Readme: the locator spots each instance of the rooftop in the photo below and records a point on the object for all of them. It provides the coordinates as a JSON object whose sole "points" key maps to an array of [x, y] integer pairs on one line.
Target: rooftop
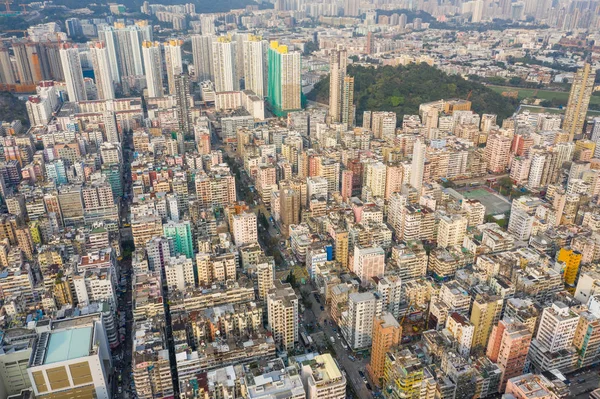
{"points": [[68, 345], [275, 384], [529, 385], [324, 369], [389, 320]]}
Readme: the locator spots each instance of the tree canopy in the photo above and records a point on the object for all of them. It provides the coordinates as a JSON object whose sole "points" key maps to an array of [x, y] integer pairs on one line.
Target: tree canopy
{"points": [[402, 89], [11, 108]]}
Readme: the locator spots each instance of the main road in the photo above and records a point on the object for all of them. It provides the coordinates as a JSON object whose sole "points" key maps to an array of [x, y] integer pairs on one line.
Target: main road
{"points": [[242, 187], [341, 355], [583, 382], [125, 303]]}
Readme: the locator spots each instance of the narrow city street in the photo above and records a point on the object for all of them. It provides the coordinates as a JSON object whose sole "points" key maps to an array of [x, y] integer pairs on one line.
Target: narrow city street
{"points": [[324, 332], [352, 364], [243, 191], [124, 350], [125, 297]]}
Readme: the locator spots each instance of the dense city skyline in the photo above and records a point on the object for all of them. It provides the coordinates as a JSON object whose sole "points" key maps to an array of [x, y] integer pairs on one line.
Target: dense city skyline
{"points": [[300, 199]]}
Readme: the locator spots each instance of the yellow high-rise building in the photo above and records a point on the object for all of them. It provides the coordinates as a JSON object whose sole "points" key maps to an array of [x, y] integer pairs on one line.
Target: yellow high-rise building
{"points": [[572, 260], [582, 145], [485, 314], [341, 247], [579, 100], [403, 374]]}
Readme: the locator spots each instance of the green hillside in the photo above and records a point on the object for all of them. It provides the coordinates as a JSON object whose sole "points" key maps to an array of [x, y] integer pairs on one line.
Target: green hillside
{"points": [[402, 89], [11, 108]]}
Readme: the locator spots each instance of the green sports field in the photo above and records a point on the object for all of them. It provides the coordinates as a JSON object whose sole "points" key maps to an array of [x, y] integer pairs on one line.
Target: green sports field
{"points": [[561, 96], [537, 110], [494, 203]]}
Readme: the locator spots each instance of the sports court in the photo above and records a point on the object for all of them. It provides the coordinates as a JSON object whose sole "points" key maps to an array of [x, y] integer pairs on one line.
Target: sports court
{"points": [[494, 204]]}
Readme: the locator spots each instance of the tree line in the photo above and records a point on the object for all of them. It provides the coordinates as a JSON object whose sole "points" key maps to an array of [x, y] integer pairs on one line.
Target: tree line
{"points": [[402, 89]]}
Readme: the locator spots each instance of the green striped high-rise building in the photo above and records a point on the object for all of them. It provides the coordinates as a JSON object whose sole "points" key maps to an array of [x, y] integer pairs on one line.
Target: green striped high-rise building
{"points": [[181, 233], [285, 82], [114, 178]]}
